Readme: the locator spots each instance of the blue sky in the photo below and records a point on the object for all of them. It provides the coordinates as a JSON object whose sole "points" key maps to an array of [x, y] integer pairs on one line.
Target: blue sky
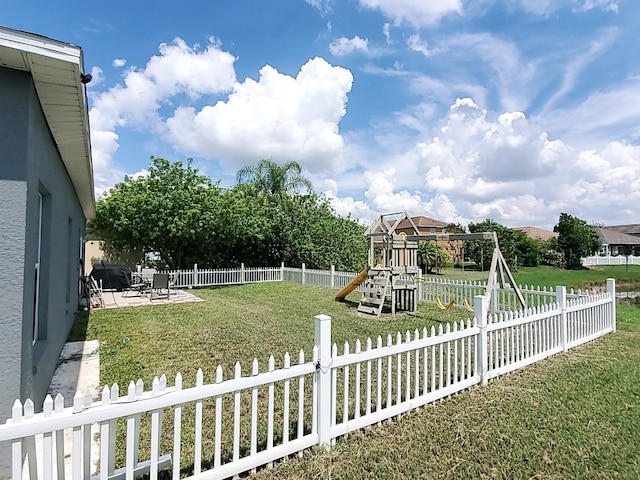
{"points": [[514, 110]]}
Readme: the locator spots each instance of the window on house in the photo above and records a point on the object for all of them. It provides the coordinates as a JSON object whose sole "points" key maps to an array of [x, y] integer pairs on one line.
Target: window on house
{"points": [[70, 257], [43, 252]]}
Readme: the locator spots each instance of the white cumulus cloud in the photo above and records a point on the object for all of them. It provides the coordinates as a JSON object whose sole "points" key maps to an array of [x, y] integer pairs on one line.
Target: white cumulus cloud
{"points": [[483, 164], [417, 13], [345, 46], [178, 69], [278, 116]]}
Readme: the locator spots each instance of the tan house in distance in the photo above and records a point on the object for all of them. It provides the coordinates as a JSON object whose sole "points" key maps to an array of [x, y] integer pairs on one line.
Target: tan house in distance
{"points": [[425, 225], [430, 226], [537, 233]]}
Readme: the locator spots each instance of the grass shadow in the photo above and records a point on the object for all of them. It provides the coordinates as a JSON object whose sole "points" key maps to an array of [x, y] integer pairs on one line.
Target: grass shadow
{"points": [[78, 331]]}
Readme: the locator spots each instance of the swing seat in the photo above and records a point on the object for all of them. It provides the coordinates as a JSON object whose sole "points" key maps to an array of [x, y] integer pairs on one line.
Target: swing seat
{"points": [[467, 306], [442, 306]]}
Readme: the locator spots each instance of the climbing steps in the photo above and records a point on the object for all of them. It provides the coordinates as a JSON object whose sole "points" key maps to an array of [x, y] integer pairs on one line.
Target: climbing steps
{"points": [[374, 292]]}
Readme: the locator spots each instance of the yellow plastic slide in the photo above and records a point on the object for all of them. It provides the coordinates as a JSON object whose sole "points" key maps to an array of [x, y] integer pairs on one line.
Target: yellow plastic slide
{"points": [[352, 285]]}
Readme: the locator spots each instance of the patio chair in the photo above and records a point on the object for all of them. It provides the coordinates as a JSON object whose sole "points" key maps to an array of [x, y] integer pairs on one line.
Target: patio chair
{"points": [[147, 274], [137, 284], [160, 282]]}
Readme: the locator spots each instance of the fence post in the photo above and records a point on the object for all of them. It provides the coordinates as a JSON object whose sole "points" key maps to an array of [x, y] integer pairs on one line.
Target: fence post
{"points": [[333, 272], [303, 268], [195, 275], [561, 298], [420, 285], [282, 271], [242, 277], [323, 375], [611, 288], [480, 307]]}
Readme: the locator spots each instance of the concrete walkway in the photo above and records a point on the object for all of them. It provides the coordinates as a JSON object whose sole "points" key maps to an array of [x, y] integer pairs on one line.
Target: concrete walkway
{"points": [[78, 369]]}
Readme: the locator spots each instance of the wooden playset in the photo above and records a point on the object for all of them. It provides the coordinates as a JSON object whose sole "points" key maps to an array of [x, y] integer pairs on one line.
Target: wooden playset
{"points": [[392, 275]]}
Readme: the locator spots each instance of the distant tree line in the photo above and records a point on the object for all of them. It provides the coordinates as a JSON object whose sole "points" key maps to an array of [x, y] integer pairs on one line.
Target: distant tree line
{"points": [[184, 218], [576, 239]]}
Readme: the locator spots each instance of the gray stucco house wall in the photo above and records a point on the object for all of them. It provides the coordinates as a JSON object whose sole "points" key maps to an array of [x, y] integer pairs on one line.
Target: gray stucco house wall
{"points": [[43, 212]]}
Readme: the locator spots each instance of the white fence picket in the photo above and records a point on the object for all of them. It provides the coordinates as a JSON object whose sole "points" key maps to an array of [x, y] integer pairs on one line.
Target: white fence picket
{"points": [[254, 413], [270, 410], [236, 414], [285, 412], [300, 399], [58, 408], [218, 427], [356, 382], [177, 424]]}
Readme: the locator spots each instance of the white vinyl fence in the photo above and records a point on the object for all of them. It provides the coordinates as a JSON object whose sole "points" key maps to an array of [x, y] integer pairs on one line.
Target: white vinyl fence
{"points": [[461, 290], [197, 277], [324, 278], [431, 288], [610, 260], [225, 276], [428, 289], [254, 417]]}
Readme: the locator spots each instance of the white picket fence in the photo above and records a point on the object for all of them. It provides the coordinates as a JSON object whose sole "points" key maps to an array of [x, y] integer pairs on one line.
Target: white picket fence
{"points": [[610, 260], [224, 428], [196, 277], [428, 288], [324, 278], [461, 290], [431, 288]]}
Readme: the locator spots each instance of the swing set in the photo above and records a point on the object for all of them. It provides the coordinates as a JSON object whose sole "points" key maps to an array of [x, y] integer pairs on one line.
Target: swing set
{"points": [[499, 274], [392, 279]]}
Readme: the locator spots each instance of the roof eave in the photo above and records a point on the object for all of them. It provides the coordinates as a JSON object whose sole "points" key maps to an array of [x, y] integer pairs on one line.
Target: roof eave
{"points": [[55, 68]]}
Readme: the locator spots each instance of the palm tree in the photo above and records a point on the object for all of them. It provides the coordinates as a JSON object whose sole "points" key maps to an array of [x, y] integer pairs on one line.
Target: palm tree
{"points": [[272, 178], [432, 257]]}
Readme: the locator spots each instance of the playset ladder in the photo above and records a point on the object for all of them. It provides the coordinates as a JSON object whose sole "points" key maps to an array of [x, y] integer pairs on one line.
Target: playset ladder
{"points": [[374, 292]]}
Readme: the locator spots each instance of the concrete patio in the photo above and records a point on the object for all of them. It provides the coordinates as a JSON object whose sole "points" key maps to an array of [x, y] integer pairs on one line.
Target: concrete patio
{"points": [[113, 299]]}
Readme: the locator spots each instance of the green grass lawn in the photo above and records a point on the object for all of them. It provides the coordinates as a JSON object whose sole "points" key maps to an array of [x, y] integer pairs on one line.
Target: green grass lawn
{"points": [[235, 323], [550, 277], [576, 415]]}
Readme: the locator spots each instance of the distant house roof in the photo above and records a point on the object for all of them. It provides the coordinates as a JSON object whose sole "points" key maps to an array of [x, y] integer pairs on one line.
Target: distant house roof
{"points": [[629, 229], [422, 223], [613, 237], [537, 233], [56, 69]]}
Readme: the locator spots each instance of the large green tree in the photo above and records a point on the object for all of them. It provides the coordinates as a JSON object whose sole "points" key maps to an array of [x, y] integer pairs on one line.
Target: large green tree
{"points": [[307, 230], [529, 251], [481, 251], [271, 177], [164, 211], [185, 218], [576, 239]]}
